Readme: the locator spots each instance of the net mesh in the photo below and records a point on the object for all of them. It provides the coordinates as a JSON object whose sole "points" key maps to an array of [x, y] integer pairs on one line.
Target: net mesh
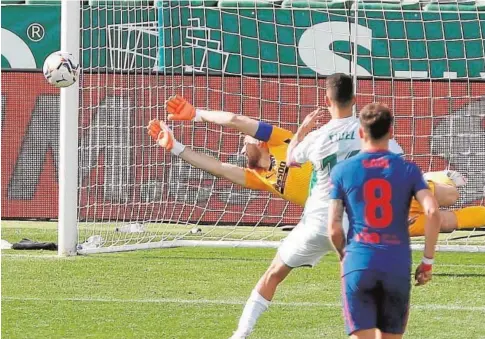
{"points": [[269, 64]]}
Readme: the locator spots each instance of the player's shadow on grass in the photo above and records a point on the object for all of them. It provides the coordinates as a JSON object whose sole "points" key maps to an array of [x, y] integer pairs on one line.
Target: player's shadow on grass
{"points": [[459, 275]]}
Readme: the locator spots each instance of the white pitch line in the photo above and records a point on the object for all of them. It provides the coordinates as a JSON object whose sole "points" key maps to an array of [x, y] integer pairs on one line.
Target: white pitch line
{"points": [[34, 256], [54, 256], [457, 265], [231, 302]]}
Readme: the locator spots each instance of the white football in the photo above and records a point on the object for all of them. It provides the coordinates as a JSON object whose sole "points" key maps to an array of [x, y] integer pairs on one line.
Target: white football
{"points": [[61, 69]]}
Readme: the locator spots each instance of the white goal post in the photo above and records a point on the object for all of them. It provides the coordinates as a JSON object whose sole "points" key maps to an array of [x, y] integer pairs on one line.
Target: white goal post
{"points": [[118, 191], [69, 137]]}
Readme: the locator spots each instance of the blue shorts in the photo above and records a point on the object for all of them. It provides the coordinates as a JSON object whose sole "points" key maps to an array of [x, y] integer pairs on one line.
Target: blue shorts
{"points": [[373, 299]]}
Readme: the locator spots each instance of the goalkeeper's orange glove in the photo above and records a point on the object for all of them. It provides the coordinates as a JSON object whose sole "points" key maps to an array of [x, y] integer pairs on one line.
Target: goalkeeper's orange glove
{"points": [[180, 109], [424, 272], [163, 136]]}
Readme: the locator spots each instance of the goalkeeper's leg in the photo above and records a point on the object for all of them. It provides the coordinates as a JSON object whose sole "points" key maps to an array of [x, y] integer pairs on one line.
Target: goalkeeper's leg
{"points": [[463, 218], [303, 247], [446, 192]]}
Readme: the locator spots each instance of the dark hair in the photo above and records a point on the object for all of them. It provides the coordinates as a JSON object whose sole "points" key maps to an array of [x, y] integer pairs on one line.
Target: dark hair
{"points": [[253, 154], [376, 120], [340, 88]]}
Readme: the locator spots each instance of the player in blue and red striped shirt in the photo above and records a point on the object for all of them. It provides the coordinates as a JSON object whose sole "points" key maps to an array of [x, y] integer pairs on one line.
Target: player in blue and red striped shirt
{"points": [[376, 187]]}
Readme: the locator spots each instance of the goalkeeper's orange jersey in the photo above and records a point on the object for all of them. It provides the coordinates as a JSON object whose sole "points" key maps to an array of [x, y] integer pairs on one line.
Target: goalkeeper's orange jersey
{"points": [[289, 183]]}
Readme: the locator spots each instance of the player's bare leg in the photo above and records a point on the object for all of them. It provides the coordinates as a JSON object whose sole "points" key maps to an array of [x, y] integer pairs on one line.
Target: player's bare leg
{"points": [[449, 222], [366, 334], [274, 275], [446, 195], [390, 336], [261, 296], [445, 186], [464, 218], [446, 192]]}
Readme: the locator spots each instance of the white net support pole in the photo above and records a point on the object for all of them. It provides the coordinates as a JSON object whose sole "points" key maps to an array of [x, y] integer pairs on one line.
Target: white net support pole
{"points": [[355, 53], [68, 143]]}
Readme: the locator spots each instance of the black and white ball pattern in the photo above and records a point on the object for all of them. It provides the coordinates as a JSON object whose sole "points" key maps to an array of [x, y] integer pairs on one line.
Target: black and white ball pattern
{"points": [[61, 69]]}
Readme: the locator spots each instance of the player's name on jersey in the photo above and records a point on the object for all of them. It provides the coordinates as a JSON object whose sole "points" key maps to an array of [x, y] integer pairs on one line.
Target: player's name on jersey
{"points": [[378, 163], [342, 136]]}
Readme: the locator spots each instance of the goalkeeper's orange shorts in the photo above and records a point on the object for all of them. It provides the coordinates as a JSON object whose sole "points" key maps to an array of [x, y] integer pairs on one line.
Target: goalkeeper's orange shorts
{"points": [[417, 219]]}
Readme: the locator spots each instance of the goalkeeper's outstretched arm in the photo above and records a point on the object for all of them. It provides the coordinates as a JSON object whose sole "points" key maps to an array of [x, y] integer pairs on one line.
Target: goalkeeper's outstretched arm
{"points": [[180, 109], [242, 123], [213, 166], [164, 137]]}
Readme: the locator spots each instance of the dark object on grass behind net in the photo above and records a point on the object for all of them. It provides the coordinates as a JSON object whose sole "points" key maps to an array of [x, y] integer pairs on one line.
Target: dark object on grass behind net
{"points": [[27, 244]]}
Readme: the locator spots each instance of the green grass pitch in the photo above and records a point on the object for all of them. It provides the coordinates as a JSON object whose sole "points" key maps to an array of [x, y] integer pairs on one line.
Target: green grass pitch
{"points": [[199, 293]]}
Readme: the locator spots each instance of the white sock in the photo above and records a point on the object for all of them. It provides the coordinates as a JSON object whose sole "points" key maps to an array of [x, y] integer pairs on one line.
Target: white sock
{"points": [[458, 179], [177, 148], [198, 115], [255, 306]]}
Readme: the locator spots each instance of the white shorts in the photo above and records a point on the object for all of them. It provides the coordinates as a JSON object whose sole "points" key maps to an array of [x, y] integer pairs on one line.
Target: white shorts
{"points": [[304, 247]]}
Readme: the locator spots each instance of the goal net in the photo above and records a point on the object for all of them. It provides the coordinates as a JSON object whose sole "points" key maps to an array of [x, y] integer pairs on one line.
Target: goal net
{"points": [[266, 60]]}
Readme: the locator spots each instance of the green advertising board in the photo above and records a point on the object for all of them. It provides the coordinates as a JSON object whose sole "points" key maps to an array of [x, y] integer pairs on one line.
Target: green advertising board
{"points": [[292, 42], [29, 35], [263, 42]]}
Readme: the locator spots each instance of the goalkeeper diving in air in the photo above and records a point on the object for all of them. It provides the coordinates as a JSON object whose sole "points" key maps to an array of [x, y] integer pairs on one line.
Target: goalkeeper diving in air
{"points": [[265, 148]]}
